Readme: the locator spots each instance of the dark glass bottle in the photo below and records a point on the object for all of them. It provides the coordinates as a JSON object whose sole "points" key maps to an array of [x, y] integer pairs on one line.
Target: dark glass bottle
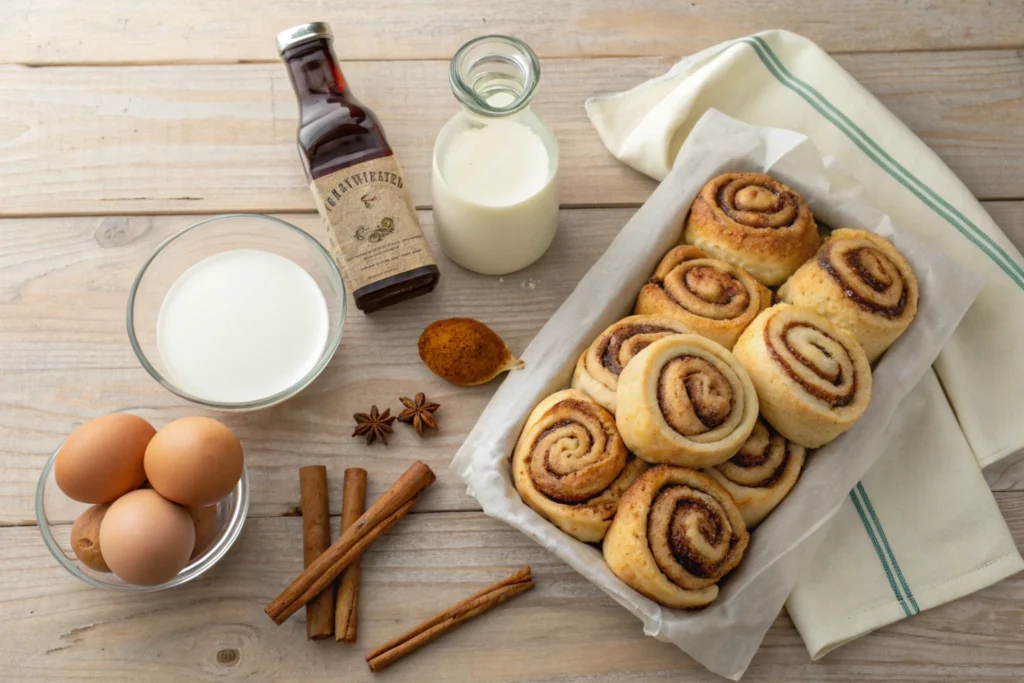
{"points": [[358, 184]]}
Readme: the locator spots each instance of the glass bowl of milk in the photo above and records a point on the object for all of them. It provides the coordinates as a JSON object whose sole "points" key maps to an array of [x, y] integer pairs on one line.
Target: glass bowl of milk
{"points": [[237, 312]]}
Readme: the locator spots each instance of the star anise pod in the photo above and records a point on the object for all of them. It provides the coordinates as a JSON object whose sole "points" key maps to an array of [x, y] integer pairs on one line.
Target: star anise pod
{"points": [[374, 425], [419, 412]]}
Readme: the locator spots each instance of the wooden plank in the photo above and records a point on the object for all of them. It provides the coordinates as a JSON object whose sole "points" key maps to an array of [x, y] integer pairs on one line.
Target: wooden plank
{"points": [[124, 31], [54, 628], [195, 139], [1010, 217], [1007, 474], [939, 99], [64, 356]]}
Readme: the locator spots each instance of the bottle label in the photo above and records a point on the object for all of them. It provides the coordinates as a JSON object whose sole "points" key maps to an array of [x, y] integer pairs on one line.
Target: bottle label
{"points": [[371, 222]]}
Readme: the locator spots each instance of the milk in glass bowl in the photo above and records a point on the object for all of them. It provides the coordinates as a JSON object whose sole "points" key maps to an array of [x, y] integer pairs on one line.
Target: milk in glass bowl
{"points": [[237, 312]]}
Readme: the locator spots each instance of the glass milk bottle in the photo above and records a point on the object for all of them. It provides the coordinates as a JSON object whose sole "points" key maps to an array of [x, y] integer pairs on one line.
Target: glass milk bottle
{"points": [[495, 175]]}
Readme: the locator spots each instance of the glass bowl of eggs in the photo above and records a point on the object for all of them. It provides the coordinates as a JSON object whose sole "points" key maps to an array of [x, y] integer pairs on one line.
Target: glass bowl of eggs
{"points": [[124, 506]]}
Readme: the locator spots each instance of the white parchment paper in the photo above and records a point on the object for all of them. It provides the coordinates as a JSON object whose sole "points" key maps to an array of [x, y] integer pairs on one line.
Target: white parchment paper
{"points": [[724, 636]]}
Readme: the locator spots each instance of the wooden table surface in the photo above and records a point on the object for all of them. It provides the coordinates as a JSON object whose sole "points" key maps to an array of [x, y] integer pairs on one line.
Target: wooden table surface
{"points": [[122, 122]]}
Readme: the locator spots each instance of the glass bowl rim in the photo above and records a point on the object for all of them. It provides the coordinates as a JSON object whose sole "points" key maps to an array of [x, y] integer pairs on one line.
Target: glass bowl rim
{"points": [[325, 358], [210, 557]]}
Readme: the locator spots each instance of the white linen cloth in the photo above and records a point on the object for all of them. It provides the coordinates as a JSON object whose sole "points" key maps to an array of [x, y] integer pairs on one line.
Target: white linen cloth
{"points": [[922, 527]]}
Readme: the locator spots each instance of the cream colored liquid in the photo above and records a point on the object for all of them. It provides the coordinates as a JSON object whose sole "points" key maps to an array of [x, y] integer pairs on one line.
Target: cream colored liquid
{"points": [[495, 198], [241, 326]]}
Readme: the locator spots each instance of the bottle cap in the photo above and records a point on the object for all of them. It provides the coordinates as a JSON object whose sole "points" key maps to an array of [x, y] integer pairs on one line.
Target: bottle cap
{"points": [[303, 33]]}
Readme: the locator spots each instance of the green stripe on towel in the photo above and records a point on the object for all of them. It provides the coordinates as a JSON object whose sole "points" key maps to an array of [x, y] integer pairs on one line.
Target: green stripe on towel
{"points": [[906, 601], [875, 152], [885, 543]]}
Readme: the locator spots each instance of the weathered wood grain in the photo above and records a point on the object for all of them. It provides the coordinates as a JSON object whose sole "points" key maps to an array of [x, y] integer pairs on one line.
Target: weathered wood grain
{"points": [[940, 101], [1007, 474], [1010, 217], [565, 630], [81, 139], [111, 31], [65, 357], [212, 138], [193, 139]]}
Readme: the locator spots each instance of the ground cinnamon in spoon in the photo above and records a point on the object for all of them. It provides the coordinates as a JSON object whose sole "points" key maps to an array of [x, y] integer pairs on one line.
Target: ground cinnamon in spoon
{"points": [[465, 351]]}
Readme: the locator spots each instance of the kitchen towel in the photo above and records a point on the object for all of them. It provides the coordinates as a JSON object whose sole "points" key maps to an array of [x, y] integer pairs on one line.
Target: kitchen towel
{"points": [[921, 528]]}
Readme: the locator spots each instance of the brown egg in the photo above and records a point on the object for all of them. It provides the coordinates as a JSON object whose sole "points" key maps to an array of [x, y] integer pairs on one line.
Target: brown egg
{"points": [[103, 459], [205, 520], [146, 539], [194, 461], [85, 537]]}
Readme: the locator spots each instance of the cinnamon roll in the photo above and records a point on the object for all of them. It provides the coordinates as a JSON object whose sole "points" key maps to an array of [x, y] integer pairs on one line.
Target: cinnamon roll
{"points": [[862, 283], [755, 222], [676, 535], [685, 400], [597, 371], [713, 298], [813, 379], [761, 474], [571, 466]]}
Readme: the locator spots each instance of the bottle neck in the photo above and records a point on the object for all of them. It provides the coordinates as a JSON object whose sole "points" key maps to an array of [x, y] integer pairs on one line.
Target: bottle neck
{"points": [[494, 76], [316, 77]]}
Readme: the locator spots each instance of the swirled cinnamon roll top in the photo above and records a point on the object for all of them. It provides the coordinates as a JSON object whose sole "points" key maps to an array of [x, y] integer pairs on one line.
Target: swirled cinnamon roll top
{"points": [[677, 534], [812, 379], [762, 473], [597, 372], [818, 361], [860, 281], [753, 221], [755, 200], [687, 401], [695, 395], [571, 465], [712, 297]]}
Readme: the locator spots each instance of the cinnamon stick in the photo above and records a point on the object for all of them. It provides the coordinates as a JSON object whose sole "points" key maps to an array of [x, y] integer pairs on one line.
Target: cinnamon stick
{"points": [[347, 607], [445, 621], [316, 538], [381, 516]]}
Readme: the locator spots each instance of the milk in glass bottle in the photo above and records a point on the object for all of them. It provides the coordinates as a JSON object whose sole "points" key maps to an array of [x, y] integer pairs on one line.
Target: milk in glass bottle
{"points": [[495, 170]]}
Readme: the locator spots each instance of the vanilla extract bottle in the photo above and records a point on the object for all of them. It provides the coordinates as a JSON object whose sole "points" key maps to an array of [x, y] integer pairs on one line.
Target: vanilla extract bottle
{"points": [[358, 184]]}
